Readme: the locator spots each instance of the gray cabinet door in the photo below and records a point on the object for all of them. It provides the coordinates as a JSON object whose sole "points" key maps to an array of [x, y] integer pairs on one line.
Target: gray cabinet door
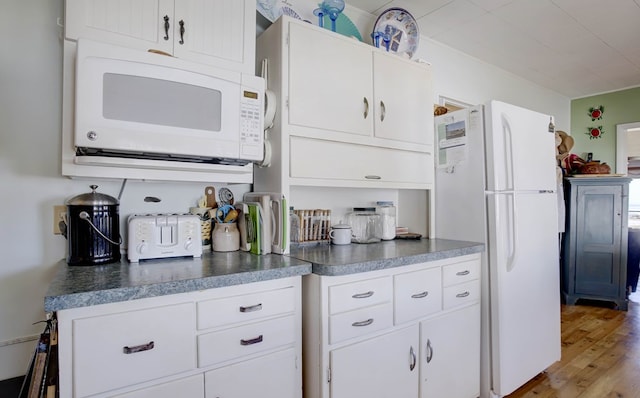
{"points": [[598, 236]]}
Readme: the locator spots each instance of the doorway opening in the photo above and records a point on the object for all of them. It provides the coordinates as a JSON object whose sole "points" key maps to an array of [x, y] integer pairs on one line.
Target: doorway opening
{"points": [[628, 162]]}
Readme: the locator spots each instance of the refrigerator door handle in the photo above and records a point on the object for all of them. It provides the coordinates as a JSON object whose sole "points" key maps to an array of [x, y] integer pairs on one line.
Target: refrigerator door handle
{"points": [[513, 231], [508, 152]]}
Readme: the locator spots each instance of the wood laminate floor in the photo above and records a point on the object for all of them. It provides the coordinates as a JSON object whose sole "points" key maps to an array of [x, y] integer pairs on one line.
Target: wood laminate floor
{"points": [[600, 355]]}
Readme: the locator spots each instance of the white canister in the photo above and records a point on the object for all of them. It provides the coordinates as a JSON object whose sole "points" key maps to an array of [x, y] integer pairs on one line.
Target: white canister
{"points": [[340, 234]]}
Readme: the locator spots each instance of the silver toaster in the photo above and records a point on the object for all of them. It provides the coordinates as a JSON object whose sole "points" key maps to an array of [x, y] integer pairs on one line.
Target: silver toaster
{"points": [[163, 235]]}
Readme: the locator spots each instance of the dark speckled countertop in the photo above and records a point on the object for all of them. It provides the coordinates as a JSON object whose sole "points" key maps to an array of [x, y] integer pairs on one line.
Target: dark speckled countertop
{"points": [[79, 286], [332, 260]]}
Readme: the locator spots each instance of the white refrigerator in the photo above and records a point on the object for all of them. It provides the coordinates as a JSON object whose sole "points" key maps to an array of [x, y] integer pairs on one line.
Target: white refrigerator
{"points": [[496, 184]]}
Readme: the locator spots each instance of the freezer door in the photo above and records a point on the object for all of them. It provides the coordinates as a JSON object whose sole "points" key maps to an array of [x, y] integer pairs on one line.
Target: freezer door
{"points": [[524, 287], [520, 150]]}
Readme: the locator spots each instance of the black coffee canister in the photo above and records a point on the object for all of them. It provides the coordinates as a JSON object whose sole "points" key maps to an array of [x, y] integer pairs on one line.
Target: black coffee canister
{"points": [[93, 229]]}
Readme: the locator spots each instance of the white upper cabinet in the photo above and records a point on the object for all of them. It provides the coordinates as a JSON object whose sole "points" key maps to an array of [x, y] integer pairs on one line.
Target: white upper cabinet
{"points": [[338, 84], [214, 32]]}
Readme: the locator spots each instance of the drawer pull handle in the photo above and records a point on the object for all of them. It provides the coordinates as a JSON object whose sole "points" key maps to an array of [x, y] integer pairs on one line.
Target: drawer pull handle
{"points": [[420, 295], [251, 341], [363, 323], [372, 177], [463, 273], [363, 295], [138, 348], [464, 294], [251, 308]]}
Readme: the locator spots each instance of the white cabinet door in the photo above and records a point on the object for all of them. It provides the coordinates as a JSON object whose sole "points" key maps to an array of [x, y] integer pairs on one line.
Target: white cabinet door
{"points": [[329, 82], [213, 32], [382, 367], [403, 99], [130, 23], [450, 355], [273, 375], [217, 32]]}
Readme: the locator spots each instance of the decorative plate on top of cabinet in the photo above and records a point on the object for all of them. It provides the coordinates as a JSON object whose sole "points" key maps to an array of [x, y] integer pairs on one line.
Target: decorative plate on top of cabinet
{"points": [[273, 9], [397, 31]]}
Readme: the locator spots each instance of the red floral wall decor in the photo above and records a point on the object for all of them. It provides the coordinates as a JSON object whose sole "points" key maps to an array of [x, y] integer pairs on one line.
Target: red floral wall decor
{"points": [[596, 113], [595, 132]]}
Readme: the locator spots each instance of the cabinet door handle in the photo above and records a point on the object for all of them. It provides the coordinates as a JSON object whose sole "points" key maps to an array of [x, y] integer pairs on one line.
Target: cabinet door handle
{"points": [[372, 177], [420, 295], [363, 295], [166, 27], [138, 348], [255, 340], [429, 351], [181, 31], [463, 273], [366, 107], [463, 294], [363, 323], [383, 111], [251, 308], [412, 359]]}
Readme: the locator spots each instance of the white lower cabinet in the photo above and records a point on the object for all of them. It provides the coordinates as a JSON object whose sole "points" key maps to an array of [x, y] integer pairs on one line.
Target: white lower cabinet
{"points": [[237, 341], [405, 332], [384, 366], [450, 346]]}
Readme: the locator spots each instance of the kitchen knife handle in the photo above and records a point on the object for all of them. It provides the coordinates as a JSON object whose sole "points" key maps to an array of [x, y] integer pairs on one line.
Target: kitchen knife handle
{"points": [[138, 348], [166, 27]]}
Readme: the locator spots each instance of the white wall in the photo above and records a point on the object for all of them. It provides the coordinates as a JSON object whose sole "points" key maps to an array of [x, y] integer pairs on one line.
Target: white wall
{"points": [[30, 178], [30, 136]]}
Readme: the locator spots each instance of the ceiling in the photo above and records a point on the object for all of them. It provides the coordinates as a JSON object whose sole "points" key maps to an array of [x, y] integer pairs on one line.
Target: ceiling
{"points": [[577, 48]]}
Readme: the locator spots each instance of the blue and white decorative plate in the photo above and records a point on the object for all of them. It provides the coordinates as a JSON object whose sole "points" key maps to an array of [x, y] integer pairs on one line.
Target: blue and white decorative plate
{"points": [[273, 9], [401, 28]]}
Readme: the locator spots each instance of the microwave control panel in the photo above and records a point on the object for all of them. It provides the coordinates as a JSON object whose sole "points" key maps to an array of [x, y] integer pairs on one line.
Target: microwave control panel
{"points": [[251, 125]]}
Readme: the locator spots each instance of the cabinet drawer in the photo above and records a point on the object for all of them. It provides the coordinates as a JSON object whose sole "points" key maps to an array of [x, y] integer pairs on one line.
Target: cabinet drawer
{"points": [[358, 162], [360, 322], [354, 295], [463, 293], [460, 272], [188, 387], [245, 340], [417, 294], [249, 307], [118, 350]]}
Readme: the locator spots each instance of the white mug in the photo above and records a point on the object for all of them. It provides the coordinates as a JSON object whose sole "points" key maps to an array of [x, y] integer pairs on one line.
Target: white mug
{"points": [[340, 234]]}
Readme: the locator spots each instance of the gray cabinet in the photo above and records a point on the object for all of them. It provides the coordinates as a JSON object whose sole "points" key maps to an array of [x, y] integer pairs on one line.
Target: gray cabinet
{"points": [[594, 248]]}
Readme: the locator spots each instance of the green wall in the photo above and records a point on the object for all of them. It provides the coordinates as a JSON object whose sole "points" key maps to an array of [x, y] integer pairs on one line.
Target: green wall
{"points": [[619, 107]]}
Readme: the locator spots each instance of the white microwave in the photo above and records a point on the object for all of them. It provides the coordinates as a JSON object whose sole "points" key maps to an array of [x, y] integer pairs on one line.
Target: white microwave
{"points": [[132, 105]]}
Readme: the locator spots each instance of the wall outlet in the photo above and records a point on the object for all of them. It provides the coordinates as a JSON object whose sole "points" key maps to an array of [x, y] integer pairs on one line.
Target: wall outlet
{"points": [[59, 214]]}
